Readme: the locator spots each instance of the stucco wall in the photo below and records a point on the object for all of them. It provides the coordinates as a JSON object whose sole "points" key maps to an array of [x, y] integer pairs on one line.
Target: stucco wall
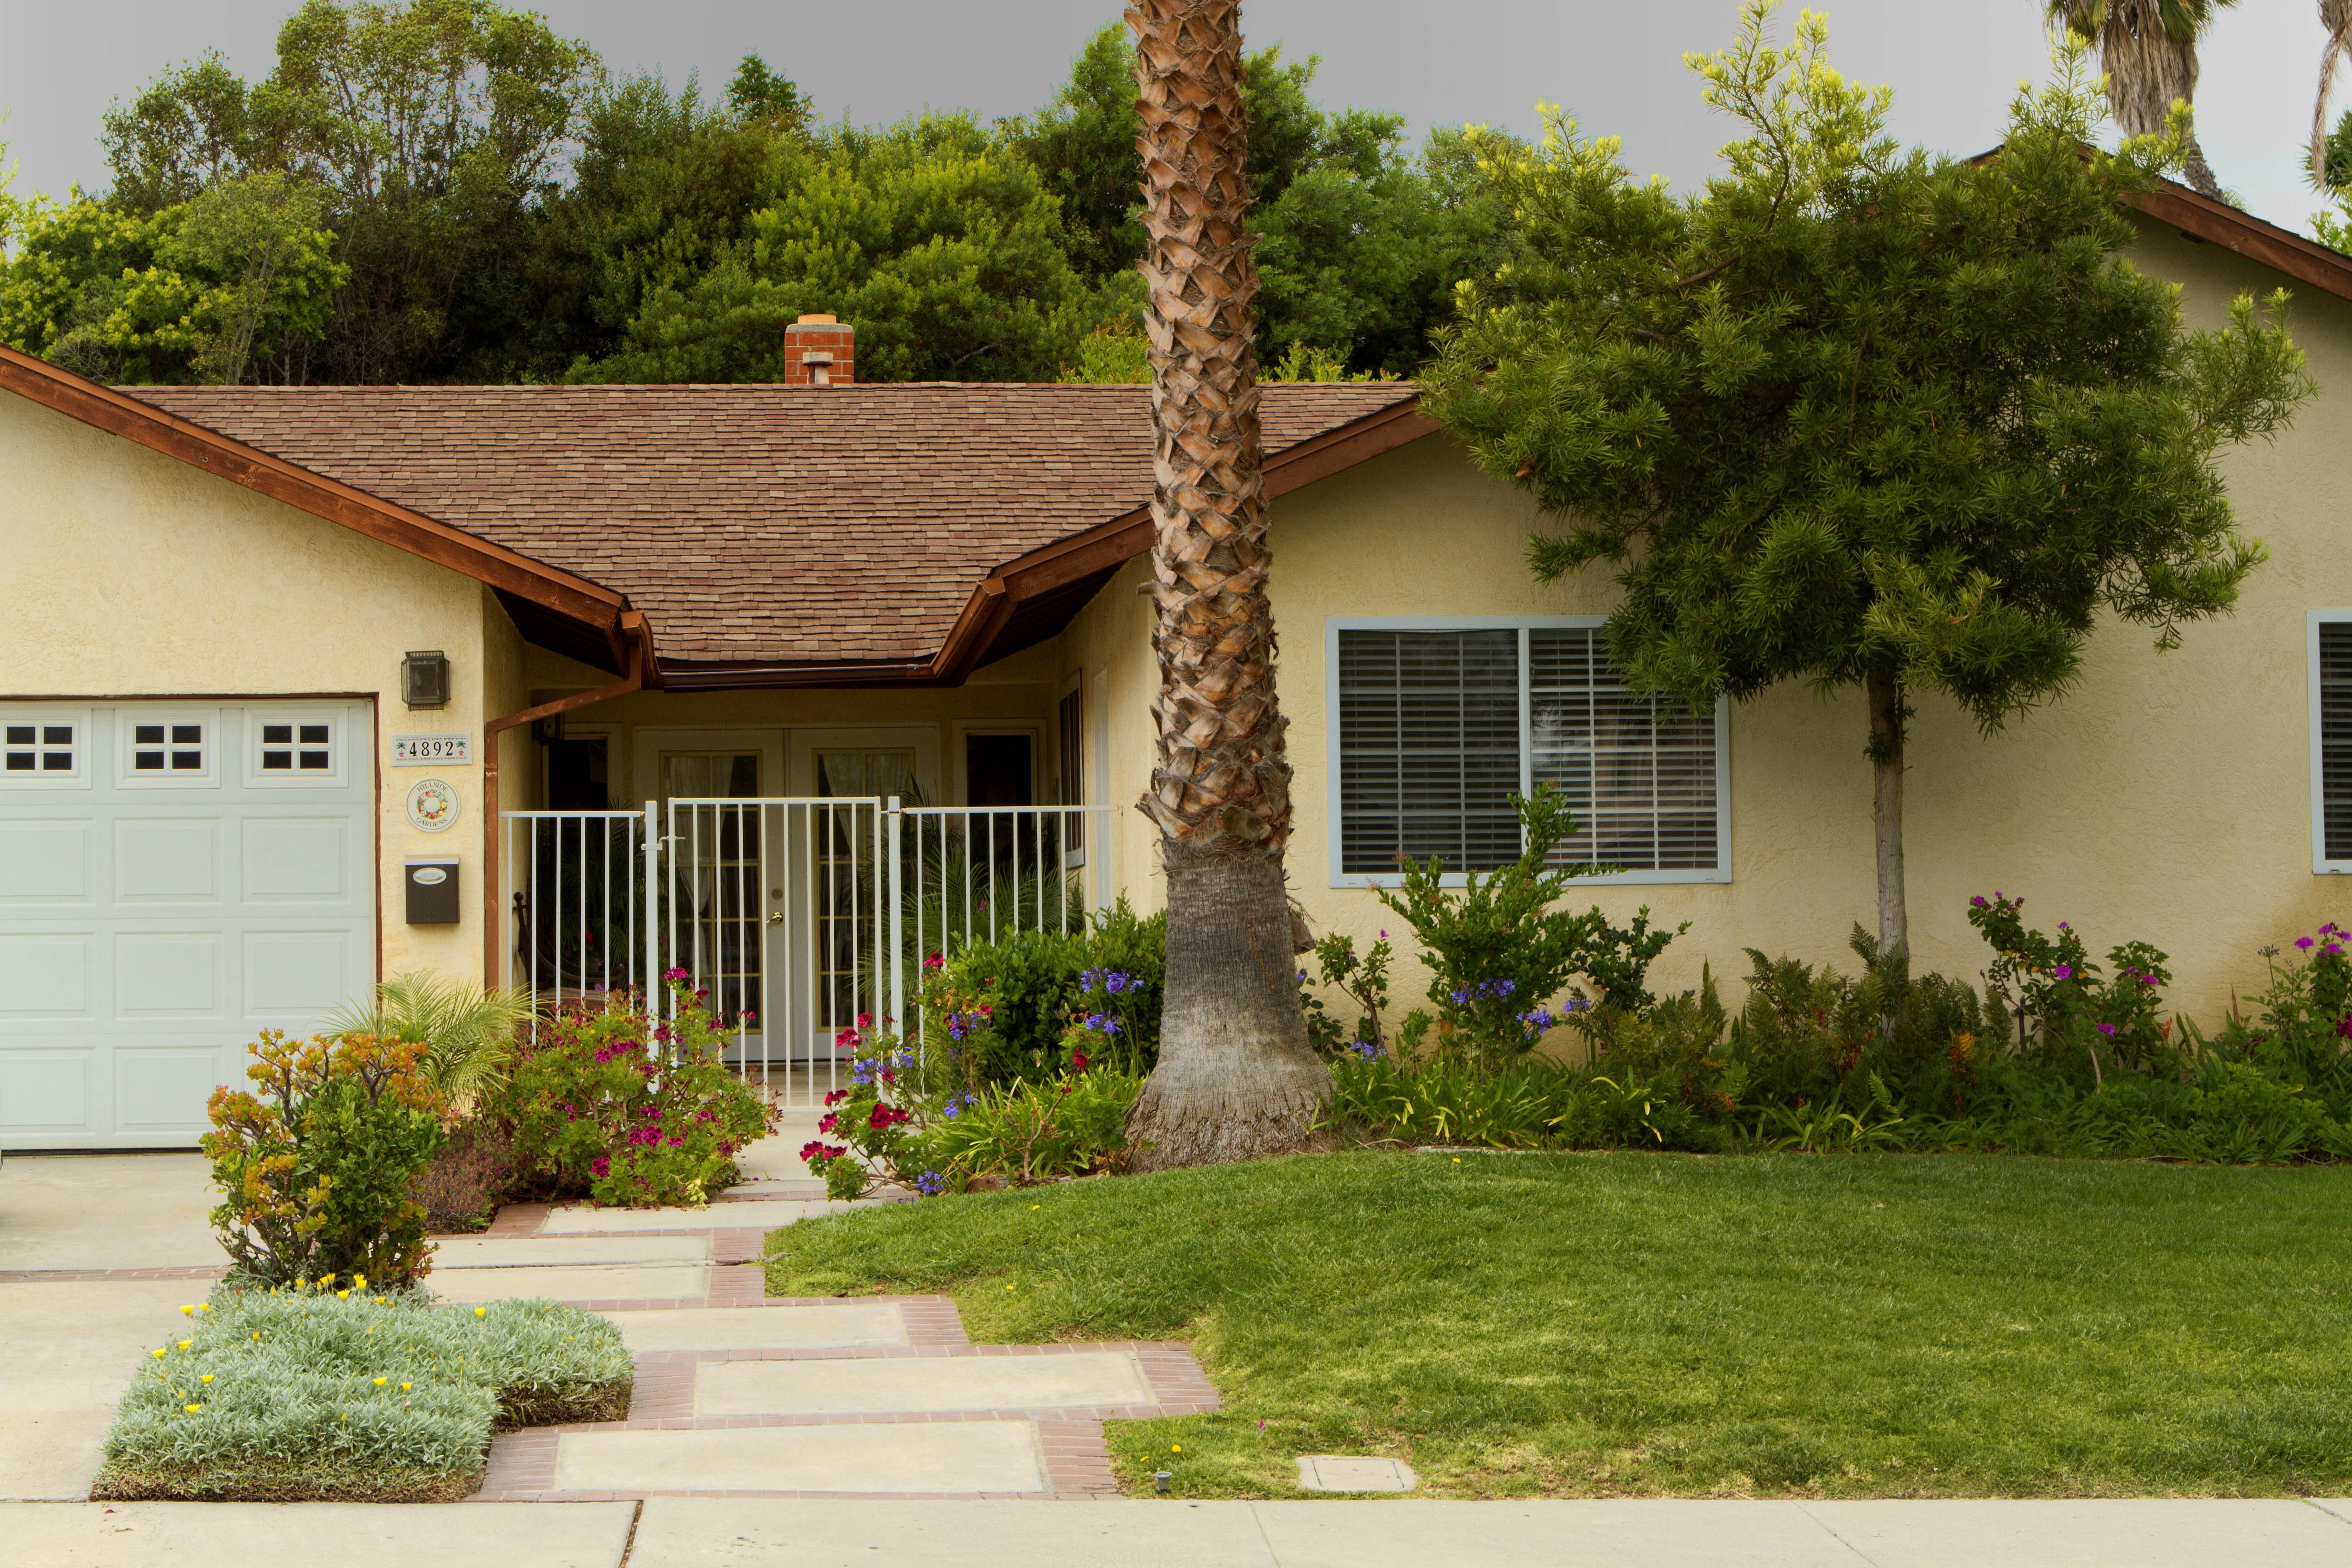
{"points": [[133, 574], [2167, 798]]}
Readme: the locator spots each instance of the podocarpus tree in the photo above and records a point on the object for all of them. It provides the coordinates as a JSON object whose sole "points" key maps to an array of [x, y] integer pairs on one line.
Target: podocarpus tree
{"points": [[1236, 1076], [1864, 417]]}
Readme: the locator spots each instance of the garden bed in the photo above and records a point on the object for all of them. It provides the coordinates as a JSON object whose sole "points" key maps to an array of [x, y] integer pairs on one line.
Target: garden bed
{"points": [[322, 1394], [1649, 1325]]}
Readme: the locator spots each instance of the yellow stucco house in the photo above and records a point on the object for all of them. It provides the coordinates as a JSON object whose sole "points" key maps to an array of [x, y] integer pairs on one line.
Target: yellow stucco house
{"points": [[305, 687]]}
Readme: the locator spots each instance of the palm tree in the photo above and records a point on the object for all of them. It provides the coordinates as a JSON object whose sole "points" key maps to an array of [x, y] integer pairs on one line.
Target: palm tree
{"points": [[470, 1033], [1236, 1078], [2336, 16], [2149, 49]]}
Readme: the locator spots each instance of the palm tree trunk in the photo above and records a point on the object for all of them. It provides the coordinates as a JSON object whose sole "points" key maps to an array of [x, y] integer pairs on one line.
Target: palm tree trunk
{"points": [[1236, 1076], [2147, 69]]}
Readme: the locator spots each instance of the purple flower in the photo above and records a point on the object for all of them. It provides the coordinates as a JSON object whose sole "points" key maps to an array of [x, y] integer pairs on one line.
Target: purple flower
{"points": [[2303, 942], [930, 1185], [2106, 1028], [2062, 973]]}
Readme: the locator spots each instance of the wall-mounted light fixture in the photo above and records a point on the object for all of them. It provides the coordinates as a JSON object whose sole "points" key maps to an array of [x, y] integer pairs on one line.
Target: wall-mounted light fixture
{"points": [[547, 732], [424, 679]]}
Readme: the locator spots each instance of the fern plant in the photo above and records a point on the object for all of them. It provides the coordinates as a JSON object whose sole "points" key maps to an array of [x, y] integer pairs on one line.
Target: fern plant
{"points": [[468, 1033]]}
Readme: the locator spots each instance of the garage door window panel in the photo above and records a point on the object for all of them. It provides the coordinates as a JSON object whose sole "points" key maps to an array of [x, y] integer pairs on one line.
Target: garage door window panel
{"points": [[172, 750], [295, 749], [44, 749]]}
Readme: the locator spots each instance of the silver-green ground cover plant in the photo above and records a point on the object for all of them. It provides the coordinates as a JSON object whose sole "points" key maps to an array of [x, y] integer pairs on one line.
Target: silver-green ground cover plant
{"points": [[326, 1390]]}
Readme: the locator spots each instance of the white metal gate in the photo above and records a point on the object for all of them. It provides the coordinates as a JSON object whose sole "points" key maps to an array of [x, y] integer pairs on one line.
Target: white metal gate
{"points": [[799, 918]]}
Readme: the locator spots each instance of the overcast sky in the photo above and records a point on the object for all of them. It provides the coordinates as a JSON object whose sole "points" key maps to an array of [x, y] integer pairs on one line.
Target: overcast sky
{"points": [[1617, 66]]}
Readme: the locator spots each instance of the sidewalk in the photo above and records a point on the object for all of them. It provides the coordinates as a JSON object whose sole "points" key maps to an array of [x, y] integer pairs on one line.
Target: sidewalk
{"points": [[702, 1532]]}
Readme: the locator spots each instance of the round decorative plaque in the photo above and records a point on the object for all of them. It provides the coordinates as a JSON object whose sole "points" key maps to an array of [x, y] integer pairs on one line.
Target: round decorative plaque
{"points": [[432, 805]]}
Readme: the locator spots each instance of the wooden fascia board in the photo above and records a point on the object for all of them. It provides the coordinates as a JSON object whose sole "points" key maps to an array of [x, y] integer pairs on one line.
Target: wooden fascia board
{"points": [[2217, 223], [1128, 535], [104, 408]]}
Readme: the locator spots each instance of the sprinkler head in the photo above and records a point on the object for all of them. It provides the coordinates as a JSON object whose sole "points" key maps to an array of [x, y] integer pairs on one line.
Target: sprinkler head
{"points": [[1159, 1480]]}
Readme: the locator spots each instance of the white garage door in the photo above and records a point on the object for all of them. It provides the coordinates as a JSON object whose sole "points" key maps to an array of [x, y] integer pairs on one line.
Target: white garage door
{"points": [[175, 877]]}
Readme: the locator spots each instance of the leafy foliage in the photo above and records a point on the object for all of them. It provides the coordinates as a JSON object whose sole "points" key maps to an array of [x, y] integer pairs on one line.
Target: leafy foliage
{"points": [[996, 1012], [625, 1109], [467, 1032], [309, 1392], [316, 1170]]}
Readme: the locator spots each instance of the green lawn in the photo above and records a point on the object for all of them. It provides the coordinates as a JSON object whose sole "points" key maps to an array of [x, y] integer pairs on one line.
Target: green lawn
{"points": [[1614, 1324]]}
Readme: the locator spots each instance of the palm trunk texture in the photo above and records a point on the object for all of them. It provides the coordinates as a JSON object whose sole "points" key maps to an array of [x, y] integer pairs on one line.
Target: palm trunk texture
{"points": [[1236, 1078], [2147, 69]]}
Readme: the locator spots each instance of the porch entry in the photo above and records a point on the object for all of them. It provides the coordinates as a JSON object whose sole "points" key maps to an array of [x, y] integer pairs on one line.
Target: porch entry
{"points": [[797, 915]]}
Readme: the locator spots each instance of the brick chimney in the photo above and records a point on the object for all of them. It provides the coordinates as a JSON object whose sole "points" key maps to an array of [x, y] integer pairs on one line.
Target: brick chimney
{"points": [[820, 352]]}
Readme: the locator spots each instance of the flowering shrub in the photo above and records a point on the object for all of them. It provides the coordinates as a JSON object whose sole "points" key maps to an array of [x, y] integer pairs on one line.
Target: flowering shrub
{"points": [[993, 1012], [2055, 989], [2302, 1027], [316, 1168], [628, 1109], [1363, 981], [1499, 956], [889, 1129]]}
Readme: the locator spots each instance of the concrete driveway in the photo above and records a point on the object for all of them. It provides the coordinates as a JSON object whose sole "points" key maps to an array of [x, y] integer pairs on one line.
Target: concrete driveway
{"points": [[98, 1252]]}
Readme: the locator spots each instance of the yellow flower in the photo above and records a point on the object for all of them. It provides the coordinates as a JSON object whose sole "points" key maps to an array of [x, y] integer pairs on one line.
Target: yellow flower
{"points": [[342, 1295], [1037, 1206], [192, 1409], [359, 1281], [204, 1305], [1175, 1447], [480, 1311], [380, 1381], [206, 1378], [187, 1311], [256, 1337], [406, 1386], [183, 1344], [159, 1353], [1457, 1159]]}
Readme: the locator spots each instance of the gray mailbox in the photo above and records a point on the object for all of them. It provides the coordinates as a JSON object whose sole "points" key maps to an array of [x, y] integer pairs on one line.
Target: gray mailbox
{"points": [[433, 892]]}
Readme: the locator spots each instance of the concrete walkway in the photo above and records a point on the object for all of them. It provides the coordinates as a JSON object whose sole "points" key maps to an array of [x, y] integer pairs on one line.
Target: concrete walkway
{"points": [[714, 1532]]}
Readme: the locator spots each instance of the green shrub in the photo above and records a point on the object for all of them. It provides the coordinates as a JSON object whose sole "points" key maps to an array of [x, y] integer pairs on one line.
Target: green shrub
{"points": [[316, 1170], [306, 1393], [892, 1127], [467, 1032], [627, 1110], [996, 1013]]}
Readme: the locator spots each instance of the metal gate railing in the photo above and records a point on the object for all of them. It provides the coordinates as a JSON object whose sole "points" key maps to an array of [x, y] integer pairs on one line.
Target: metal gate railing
{"points": [[799, 918], [575, 902]]}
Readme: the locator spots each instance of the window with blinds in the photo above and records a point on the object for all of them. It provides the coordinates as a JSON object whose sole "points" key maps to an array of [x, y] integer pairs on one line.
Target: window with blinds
{"points": [[2333, 767], [1437, 728]]}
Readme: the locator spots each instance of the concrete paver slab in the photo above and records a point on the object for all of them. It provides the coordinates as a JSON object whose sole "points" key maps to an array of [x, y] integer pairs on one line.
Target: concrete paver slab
{"points": [[107, 1211], [748, 1533], [939, 1456], [760, 1215], [850, 1323], [2091, 1533], [928, 1382], [485, 1252], [71, 1348], [1378, 1534], [586, 1282], [1354, 1473], [350, 1535], [2341, 1507]]}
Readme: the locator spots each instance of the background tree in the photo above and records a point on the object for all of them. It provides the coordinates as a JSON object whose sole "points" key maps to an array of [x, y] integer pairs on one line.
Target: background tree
{"points": [[1236, 1076], [2331, 154], [2148, 51], [1861, 417]]}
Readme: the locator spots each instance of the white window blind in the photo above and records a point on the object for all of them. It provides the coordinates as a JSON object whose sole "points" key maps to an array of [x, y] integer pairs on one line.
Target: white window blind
{"points": [[1438, 726], [2331, 742]]}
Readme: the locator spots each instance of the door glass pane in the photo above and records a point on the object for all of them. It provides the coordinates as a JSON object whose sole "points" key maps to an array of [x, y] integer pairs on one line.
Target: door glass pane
{"points": [[716, 874], [847, 876]]}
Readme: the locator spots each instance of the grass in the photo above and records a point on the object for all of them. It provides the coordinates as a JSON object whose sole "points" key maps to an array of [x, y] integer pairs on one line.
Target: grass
{"points": [[1647, 1325], [280, 1396]]}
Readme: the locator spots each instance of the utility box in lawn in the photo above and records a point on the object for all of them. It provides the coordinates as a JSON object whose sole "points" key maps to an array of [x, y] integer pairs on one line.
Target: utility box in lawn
{"points": [[432, 892]]}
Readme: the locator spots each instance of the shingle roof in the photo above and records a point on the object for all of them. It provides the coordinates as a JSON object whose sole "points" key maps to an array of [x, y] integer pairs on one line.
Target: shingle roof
{"points": [[752, 523]]}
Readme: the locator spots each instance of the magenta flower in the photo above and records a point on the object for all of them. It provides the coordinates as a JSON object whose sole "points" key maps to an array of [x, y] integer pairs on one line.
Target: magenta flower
{"points": [[2062, 972], [2106, 1028], [2303, 942]]}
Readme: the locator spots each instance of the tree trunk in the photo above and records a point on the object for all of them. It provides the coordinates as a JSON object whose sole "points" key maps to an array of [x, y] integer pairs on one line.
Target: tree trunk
{"points": [[1236, 1076], [2147, 69], [1888, 720]]}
